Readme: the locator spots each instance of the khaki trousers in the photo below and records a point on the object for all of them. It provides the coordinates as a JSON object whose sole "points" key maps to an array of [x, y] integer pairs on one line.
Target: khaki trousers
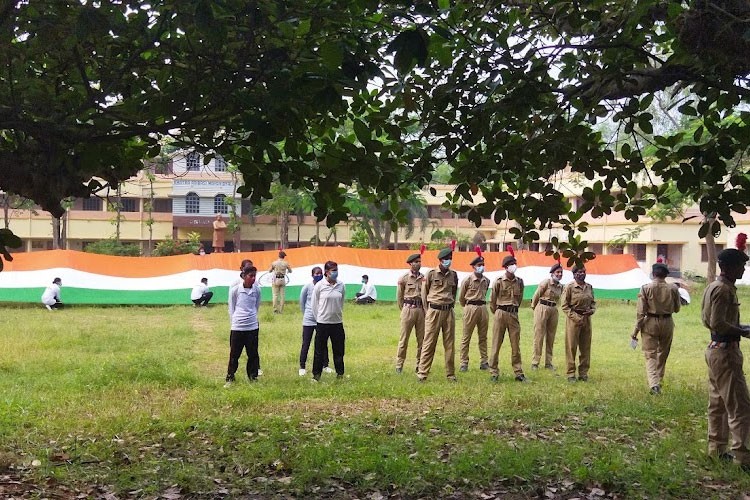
{"points": [[578, 339], [479, 317], [545, 329], [728, 403], [657, 342], [278, 292], [434, 322], [411, 318], [505, 320]]}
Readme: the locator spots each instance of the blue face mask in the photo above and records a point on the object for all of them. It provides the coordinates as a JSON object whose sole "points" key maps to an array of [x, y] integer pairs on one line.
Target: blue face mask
{"points": [[446, 262], [334, 275], [479, 269], [317, 278]]}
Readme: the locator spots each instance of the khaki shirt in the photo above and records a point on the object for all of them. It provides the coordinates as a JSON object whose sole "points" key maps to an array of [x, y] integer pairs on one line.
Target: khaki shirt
{"points": [[547, 290], [578, 299], [506, 292], [657, 297], [439, 287], [720, 310], [280, 266], [409, 287], [474, 287]]}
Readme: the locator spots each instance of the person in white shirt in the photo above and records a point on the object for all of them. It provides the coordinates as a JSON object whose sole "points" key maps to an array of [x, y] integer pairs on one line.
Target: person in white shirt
{"points": [[201, 294], [367, 294], [244, 301], [51, 295], [308, 322], [328, 308]]}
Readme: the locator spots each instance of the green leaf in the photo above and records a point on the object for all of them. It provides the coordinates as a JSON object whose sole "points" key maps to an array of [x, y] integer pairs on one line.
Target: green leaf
{"points": [[332, 55]]}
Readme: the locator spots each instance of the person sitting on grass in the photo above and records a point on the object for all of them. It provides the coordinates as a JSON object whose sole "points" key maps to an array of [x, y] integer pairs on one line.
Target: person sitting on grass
{"points": [[200, 294], [51, 295], [244, 301], [367, 294]]}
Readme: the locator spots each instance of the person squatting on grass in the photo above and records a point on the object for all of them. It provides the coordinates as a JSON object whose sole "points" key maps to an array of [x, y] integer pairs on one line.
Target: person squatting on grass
{"points": [[473, 297], [578, 305], [308, 322], [544, 304], [438, 298], [657, 301], [409, 300], [328, 313], [367, 294], [505, 299], [51, 295], [728, 398], [201, 295], [244, 301]]}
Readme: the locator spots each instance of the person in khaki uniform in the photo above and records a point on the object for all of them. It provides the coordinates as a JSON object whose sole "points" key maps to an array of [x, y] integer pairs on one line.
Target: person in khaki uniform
{"points": [[578, 305], [473, 298], [409, 299], [544, 303], [279, 268], [657, 301], [438, 298], [728, 398], [506, 296]]}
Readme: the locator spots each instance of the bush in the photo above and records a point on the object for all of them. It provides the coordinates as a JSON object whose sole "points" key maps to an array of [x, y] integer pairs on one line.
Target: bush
{"points": [[114, 247], [172, 247]]}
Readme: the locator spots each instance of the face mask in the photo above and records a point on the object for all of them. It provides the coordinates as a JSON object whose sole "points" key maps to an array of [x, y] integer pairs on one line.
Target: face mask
{"points": [[334, 275], [317, 278], [363, 282], [446, 262], [479, 269], [512, 268], [556, 279]]}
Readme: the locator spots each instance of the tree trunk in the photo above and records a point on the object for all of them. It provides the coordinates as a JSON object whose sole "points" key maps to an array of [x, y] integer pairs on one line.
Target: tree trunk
{"points": [[64, 231], [284, 228], [6, 210], [710, 249], [55, 233]]}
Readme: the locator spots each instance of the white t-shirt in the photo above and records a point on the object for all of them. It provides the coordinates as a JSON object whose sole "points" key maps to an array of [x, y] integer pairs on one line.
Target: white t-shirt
{"points": [[198, 291], [51, 295], [368, 290]]}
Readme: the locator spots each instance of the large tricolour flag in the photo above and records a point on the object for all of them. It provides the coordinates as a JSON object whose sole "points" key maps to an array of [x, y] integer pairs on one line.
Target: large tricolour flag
{"points": [[102, 279]]}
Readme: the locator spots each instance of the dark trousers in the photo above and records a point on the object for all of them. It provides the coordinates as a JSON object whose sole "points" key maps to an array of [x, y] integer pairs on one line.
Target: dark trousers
{"points": [[307, 335], [364, 300], [338, 338], [57, 305], [239, 340], [203, 301]]}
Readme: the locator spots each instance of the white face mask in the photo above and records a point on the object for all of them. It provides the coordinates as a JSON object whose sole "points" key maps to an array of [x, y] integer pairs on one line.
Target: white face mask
{"points": [[556, 279], [446, 262], [479, 269], [512, 268]]}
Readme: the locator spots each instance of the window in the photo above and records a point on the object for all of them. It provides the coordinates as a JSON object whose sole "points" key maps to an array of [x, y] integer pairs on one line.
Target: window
{"points": [[614, 249], [220, 165], [193, 161], [192, 203], [162, 205], [220, 204], [597, 248], [41, 244], [638, 250], [92, 204], [704, 251], [129, 204]]}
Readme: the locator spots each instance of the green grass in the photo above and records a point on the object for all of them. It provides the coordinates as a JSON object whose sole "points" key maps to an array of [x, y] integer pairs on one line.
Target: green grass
{"points": [[130, 399]]}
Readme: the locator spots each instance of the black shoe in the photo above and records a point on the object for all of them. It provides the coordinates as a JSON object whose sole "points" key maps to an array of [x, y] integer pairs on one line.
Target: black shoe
{"points": [[583, 378], [571, 379], [339, 375], [484, 366], [422, 379], [494, 378], [534, 367], [463, 368], [550, 367], [725, 457], [522, 378], [656, 390], [399, 370], [452, 378]]}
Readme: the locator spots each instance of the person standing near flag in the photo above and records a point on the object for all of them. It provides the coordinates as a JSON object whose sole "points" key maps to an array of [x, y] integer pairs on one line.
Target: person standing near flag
{"points": [[578, 305], [409, 300], [473, 298], [544, 304]]}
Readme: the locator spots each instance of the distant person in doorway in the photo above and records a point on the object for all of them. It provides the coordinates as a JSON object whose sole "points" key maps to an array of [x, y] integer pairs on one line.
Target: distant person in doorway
{"points": [[220, 229]]}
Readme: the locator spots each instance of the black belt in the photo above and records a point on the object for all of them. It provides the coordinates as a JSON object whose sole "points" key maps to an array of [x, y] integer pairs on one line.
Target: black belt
{"points": [[724, 338], [659, 315], [581, 312], [548, 302], [510, 309], [441, 307], [413, 302], [279, 275], [476, 302]]}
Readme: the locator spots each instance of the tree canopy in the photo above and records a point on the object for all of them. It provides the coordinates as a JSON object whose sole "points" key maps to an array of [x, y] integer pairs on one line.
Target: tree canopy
{"points": [[509, 94]]}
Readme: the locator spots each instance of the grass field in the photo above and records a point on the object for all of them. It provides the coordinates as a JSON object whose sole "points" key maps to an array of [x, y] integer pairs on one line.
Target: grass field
{"points": [[128, 401]]}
